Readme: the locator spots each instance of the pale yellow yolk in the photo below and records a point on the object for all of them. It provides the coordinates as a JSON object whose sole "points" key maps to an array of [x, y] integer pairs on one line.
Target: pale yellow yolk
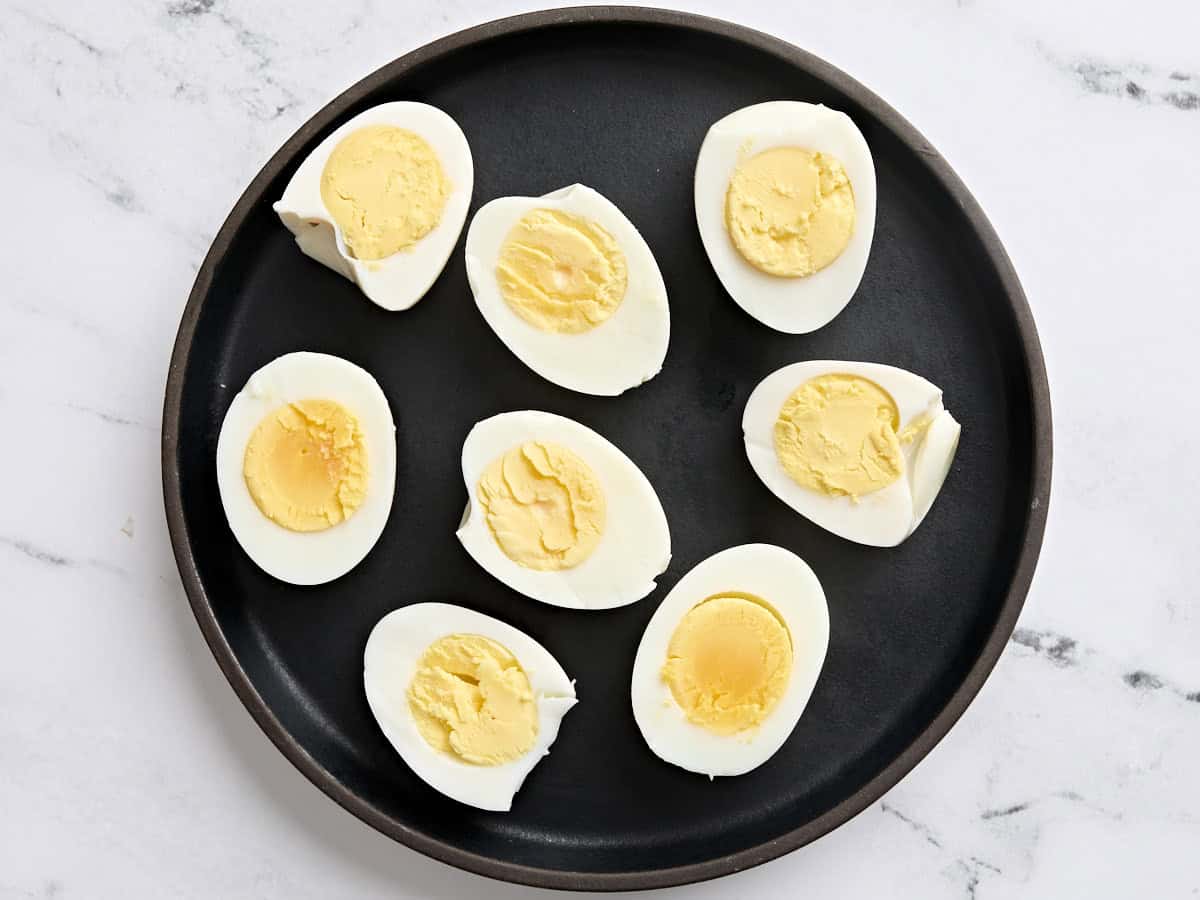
{"points": [[728, 662], [471, 699], [306, 465], [385, 188], [789, 211], [837, 434], [561, 273], [544, 506]]}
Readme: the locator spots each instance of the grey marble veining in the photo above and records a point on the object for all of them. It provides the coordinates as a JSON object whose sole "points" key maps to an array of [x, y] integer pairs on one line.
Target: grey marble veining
{"points": [[1139, 83], [127, 131]]}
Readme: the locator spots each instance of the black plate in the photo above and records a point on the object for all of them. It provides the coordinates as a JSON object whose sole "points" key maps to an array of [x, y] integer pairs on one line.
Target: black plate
{"points": [[620, 99]]}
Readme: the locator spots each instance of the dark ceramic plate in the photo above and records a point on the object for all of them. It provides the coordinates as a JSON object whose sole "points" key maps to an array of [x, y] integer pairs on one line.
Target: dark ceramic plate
{"points": [[620, 99]]}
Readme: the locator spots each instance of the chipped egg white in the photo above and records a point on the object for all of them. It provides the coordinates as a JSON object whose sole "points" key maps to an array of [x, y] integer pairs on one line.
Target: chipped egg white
{"points": [[560, 514], [383, 199], [571, 288], [306, 466], [785, 204], [729, 660], [470, 703], [861, 449]]}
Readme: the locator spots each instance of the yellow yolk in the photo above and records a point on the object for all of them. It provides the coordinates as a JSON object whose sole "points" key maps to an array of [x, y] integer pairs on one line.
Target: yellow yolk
{"points": [[837, 434], [306, 465], [790, 212], [385, 188], [728, 662], [544, 506], [561, 273], [471, 699]]}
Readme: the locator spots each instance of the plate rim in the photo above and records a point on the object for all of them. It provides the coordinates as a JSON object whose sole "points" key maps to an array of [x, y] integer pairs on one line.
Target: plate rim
{"points": [[893, 772]]}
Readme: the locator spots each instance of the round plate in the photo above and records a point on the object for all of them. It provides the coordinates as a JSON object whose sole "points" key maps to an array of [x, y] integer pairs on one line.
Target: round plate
{"points": [[619, 99]]}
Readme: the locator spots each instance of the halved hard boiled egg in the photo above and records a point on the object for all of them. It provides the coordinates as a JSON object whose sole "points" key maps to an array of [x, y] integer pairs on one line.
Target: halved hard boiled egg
{"points": [[785, 203], [729, 660], [560, 514], [470, 704], [571, 288], [383, 199], [306, 466], [861, 449]]}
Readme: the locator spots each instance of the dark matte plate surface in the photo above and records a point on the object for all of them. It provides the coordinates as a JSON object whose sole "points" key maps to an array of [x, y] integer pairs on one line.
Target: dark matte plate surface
{"points": [[620, 99]]}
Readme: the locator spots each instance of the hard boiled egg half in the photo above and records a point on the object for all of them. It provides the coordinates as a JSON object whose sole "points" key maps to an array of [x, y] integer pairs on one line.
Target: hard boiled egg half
{"points": [[471, 704], [729, 660], [785, 203], [559, 514], [571, 288], [383, 199], [306, 466], [861, 449]]}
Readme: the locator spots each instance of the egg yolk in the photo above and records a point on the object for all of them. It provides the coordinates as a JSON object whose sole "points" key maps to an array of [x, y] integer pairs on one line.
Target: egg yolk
{"points": [[385, 189], [543, 505], [728, 662], [306, 465], [838, 434], [470, 698], [561, 273], [789, 211]]}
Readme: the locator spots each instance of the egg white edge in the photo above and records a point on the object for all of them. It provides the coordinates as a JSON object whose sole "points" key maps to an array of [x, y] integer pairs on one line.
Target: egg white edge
{"points": [[777, 302], [789, 585], [307, 558], [638, 563], [643, 319], [409, 631], [416, 267], [876, 519]]}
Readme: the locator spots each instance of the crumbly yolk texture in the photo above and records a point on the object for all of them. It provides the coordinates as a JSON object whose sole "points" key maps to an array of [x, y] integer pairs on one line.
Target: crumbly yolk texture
{"points": [[560, 272], [471, 699], [543, 505], [306, 465], [838, 434], [385, 188], [728, 662], [789, 211]]}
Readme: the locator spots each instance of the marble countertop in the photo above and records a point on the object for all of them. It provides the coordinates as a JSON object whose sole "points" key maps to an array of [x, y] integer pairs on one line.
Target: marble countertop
{"points": [[129, 767]]}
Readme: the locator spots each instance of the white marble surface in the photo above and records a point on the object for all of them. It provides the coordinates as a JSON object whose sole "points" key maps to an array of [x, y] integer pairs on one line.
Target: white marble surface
{"points": [[127, 766]]}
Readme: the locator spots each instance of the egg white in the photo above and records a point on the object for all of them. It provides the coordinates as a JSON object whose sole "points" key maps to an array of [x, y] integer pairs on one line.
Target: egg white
{"points": [[882, 518], [634, 548], [621, 352], [791, 305], [398, 281], [317, 556], [389, 664], [783, 580]]}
